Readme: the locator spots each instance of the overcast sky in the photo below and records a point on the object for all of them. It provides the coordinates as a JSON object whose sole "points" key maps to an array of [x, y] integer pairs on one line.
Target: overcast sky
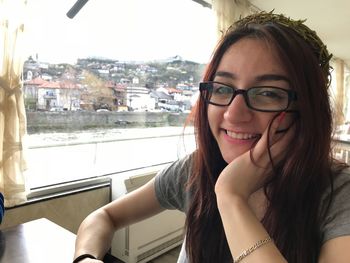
{"points": [[121, 29]]}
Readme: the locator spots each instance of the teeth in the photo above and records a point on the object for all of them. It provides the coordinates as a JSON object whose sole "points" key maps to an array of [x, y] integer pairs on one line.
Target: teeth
{"points": [[241, 136]]}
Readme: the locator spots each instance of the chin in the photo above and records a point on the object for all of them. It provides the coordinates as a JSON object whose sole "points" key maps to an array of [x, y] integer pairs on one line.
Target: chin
{"points": [[230, 157], [231, 153]]}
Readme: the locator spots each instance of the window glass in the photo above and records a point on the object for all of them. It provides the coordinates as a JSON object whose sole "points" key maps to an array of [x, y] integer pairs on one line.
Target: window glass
{"points": [[109, 90]]}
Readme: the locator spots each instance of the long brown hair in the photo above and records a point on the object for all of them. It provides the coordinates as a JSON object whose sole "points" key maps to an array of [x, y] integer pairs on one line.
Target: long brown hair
{"points": [[294, 190]]}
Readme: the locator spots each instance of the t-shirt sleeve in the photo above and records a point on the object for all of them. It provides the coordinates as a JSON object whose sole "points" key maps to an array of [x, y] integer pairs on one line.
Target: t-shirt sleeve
{"points": [[170, 184], [337, 220]]}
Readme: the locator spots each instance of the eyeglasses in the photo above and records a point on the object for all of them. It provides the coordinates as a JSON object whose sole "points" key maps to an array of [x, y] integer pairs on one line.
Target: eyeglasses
{"points": [[262, 98]]}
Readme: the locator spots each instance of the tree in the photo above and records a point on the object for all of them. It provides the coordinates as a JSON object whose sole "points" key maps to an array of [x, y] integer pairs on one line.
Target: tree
{"points": [[96, 93]]}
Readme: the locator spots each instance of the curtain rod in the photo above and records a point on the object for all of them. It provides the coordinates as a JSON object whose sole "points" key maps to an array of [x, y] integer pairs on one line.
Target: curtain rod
{"points": [[76, 8], [80, 3], [203, 3]]}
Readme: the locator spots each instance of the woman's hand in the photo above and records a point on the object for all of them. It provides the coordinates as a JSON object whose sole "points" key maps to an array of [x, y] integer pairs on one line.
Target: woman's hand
{"points": [[243, 176], [237, 182]]}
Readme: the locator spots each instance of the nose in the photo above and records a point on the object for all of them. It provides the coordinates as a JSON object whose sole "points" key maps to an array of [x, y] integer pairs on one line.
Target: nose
{"points": [[238, 110]]}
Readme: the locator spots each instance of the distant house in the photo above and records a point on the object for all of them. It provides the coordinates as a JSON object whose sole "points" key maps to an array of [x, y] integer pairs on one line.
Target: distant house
{"points": [[63, 95], [139, 98], [119, 94], [135, 80], [30, 87], [48, 95], [30, 92], [165, 101], [161, 96]]}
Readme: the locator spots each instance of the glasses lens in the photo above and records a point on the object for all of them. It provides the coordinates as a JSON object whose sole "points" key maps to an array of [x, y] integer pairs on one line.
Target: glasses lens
{"points": [[268, 98], [220, 94]]}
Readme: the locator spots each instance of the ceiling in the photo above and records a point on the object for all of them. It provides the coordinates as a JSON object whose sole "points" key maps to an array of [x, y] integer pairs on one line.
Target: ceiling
{"points": [[330, 19]]}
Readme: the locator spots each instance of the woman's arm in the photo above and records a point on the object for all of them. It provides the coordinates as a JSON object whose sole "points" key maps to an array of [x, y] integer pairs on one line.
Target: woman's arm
{"points": [[336, 250], [96, 231], [235, 186], [243, 230]]}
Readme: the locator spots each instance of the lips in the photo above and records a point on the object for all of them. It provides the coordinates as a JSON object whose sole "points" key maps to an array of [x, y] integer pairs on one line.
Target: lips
{"points": [[241, 135]]}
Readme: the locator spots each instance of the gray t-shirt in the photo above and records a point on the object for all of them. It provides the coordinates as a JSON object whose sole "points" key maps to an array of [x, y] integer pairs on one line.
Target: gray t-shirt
{"points": [[170, 187]]}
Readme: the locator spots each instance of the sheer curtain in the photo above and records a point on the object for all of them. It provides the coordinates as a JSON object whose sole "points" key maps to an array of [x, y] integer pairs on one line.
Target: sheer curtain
{"points": [[340, 91], [228, 11], [12, 111]]}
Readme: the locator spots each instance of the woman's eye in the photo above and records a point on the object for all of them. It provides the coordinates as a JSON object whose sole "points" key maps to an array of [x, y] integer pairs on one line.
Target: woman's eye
{"points": [[270, 94], [223, 90]]}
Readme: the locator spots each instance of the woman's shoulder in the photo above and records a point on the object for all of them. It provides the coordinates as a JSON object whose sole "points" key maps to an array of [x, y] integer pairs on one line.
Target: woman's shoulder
{"points": [[336, 206], [181, 166], [170, 183], [340, 181], [341, 177]]}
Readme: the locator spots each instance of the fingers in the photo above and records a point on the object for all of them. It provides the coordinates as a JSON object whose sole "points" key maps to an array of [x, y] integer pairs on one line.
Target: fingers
{"points": [[278, 149], [274, 140], [276, 126], [267, 137]]}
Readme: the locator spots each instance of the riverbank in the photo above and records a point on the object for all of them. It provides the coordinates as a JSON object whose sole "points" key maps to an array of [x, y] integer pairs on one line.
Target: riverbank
{"points": [[70, 121]]}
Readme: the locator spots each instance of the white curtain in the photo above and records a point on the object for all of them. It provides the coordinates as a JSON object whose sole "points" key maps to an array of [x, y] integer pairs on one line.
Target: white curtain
{"points": [[228, 11], [339, 91], [12, 111]]}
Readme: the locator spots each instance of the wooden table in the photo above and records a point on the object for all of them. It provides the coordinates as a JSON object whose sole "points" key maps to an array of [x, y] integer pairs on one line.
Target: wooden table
{"points": [[39, 241]]}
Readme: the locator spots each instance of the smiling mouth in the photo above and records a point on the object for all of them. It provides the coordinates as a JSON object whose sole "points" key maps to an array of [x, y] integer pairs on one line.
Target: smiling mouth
{"points": [[242, 136]]}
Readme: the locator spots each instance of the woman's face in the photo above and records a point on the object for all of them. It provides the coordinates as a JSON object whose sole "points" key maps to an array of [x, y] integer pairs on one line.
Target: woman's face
{"points": [[247, 63]]}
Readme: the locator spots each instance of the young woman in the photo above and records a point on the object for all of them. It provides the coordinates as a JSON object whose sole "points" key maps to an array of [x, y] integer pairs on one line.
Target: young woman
{"points": [[262, 185]]}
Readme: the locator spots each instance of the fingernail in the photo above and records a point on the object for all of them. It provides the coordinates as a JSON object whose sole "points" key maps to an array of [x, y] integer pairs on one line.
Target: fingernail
{"points": [[281, 117]]}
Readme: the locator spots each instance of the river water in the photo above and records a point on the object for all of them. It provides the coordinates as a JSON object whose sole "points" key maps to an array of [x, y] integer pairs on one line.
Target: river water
{"points": [[54, 158]]}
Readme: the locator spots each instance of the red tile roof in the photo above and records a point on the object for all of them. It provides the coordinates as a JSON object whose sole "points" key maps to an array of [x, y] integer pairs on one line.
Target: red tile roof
{"points": [[59, 85], [173, 90], [37, 81]]}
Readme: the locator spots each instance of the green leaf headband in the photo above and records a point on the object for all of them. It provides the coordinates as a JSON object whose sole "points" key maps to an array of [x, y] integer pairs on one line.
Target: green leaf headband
{"points": [[298, 26]]}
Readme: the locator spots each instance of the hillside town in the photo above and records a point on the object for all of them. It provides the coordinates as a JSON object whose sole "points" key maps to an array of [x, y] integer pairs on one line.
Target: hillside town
{"points": [[96, 84]]}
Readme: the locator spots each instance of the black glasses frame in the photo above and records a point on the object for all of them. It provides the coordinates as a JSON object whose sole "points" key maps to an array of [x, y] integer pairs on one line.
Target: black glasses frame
{"points": [[205, 89]]}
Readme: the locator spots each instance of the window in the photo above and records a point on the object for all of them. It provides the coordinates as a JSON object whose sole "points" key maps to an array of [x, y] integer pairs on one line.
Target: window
{"points": [[109, 90]]}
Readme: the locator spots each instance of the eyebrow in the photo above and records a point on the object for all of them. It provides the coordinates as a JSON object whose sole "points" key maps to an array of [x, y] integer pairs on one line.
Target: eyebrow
{"points": [[265, 77], [275, 77], [225, 74]]}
